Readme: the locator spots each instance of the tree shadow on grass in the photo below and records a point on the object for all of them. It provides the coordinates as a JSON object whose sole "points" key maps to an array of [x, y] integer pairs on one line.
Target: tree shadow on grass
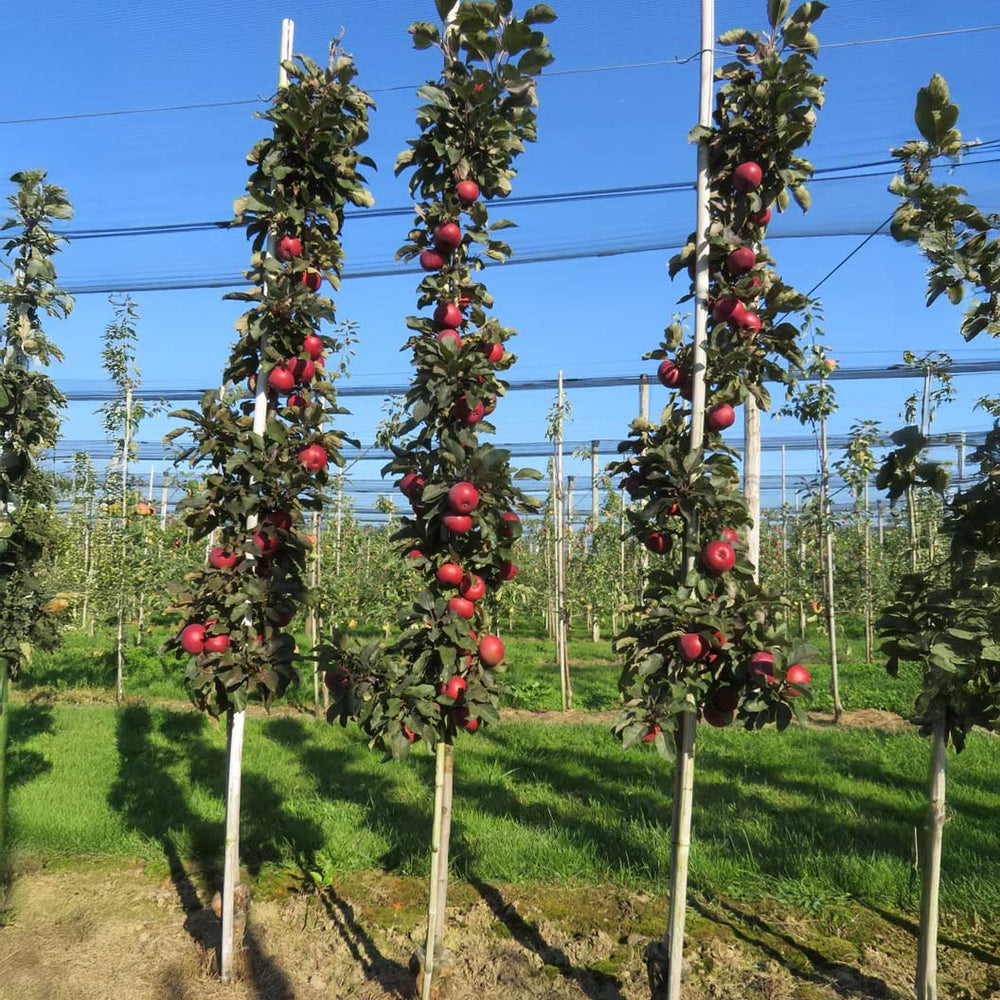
{"points": [[596, 985], [27, 720], [155, 755], [912, 928], [845, 980]]}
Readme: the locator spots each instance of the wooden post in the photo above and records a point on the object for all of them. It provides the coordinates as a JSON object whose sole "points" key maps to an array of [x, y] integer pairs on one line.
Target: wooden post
{"points": [[235, 720], [644, 396], [570, 484], [666, 964], [826, 514], [933, 836], [124, 554], [435, 883], [595, 500], [313, 622], [163, 503], [4, 725], [869, 615], [561, 617], [961, 460], [446, 800], [751, 479]]}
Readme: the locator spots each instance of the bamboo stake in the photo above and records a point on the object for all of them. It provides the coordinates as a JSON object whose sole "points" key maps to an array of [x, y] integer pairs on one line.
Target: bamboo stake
{"points": [[595, 503], [446, 800], [435, 884], [313, 622], [235, 720], [934, 833], [827, 538], [751, 480], [4, 720], [163, 503], [564, 682], [869, 625], [680, 839], [120, 643]]}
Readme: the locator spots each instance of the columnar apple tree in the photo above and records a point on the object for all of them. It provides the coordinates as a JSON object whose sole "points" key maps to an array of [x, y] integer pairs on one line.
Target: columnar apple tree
{"points": [[708, 641], [946, 618], [29, 423], [235, 609], [439, 677]]}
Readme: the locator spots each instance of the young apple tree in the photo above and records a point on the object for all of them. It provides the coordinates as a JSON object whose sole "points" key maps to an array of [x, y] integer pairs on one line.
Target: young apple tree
{"points": [[29, 423], [439, 677], [946, 618], [708, 642], [269, 454]]}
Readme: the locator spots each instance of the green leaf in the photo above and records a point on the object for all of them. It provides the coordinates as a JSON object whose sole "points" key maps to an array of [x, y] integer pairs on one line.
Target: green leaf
{"points": [[777, 11], [539, 13]]}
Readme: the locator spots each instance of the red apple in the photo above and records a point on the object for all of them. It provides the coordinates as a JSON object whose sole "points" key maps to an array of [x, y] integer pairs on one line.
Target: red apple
{"points": [[725, 699], [297, 400], [447, 236], [280, 519], [457, 524], [747, 177], [511, 524], [217, 644], [761, 218], [467, 191], [468, 724], [473, 588], [720, 417], [491, 650], [431, 260], [631, 483], [467, 415], [266, 544], [410, 735], [748, 323], [193, 639], [651, 735], [313, 458], [797, 674], [452, 337], [302, 369], [288, 247], [314, 345], [450, 574], [716, 717], [454, 688], [312, 279], [490, 405], [692, 646], [415, 554], [740, 260], [658, 543], [493, 352], [219, 558], [762, 665], [718, 558], [285, 617], [669, 374], [462, 607], [463, 497], [726, 308], [508, 571], [411, 486], [281, 378], [447, 315], [336, 680], [730, 535]]}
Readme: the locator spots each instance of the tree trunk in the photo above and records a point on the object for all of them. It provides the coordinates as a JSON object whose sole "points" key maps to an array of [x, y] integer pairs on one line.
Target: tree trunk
{"points": [[933, 835], [235, 722], [435, 882]]}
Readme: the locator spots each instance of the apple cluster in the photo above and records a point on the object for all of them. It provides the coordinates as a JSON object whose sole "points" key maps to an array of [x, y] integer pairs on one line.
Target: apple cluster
{"points": [[238, 605]]}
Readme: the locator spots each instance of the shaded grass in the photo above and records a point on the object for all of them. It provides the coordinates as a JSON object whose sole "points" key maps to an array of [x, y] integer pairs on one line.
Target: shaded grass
{"points": [[807, 817]]}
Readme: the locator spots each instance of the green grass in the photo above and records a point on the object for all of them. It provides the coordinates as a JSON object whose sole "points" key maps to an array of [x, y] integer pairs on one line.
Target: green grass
{"points": [[808, 816]]}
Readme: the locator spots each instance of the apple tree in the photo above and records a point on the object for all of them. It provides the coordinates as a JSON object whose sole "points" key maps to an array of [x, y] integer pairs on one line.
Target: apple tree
{"points": [[708, 641], [439, 677], [269, 454], [29, 423], [946, 617]]}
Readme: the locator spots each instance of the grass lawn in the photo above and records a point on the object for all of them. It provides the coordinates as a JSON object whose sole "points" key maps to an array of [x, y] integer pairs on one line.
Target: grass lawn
{"points": [[806, 817]]}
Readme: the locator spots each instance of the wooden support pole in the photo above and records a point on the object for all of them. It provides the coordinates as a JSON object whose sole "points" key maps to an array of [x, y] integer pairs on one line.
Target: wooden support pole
{"points": [[933, 839]]}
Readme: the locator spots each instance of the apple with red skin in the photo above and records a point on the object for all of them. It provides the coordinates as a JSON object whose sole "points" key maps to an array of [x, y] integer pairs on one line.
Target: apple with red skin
{"points": [[457, 524], [454, 688], [725, 699], [797, 674], [747, 177], [669, 374], [410, 735], [302, 369], [265, 543], [718, 558], [651, 735], [448, 316], [490, 405], [314, 345], [762, 665], [749, 323], [297, 400], [716, 717], [285, 617], [511, 524], [288, 247], [720, 417], [281, 378], [280, 519], [658, 542], [472, 588], [313, 457], [450, 336], [491, 650], [219, 558], [217, 644], [470, 725], [312, 279], [761, 218], [692, 646], [193, 639], [450, 574], [467, 191], [462, 607], [508, 571], [493, 352], [463, 497], [431, 260], [466, 414], [726, 308], [447, 236], [415, 554], [730, 535], [335, 680], [412, 485], [631, 483], [740, 260]]}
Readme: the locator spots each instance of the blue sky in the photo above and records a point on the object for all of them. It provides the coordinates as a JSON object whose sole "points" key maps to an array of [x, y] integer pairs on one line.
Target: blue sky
{"points": [[601, 127]]}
